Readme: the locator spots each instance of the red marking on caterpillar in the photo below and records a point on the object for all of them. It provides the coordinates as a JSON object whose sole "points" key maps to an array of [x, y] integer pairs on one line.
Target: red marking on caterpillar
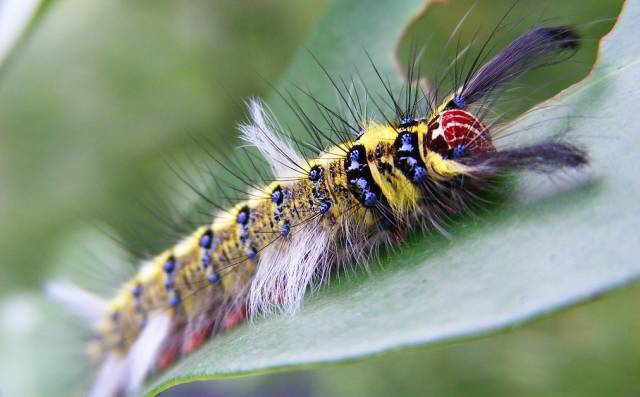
{"points": [[234, 317], [462, 128], [457, 127], [196, 339], [169, 355]]}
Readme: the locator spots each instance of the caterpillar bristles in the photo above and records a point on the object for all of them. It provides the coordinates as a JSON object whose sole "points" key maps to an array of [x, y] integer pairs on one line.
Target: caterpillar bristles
{"points": [[542, 157], [376, 180], [536, 48]]}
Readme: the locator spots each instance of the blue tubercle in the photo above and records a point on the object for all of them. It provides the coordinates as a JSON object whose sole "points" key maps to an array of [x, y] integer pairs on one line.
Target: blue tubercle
{"points": [[362, 183], [460, 151], [251, 253], [170, 265], [174, 300], [419, 174], [205, 241], [213, 278], [276, 196], [314, 174], [325, 206], [242, 217], [460, 102], [137, 291], [285, 229], [353, 156], [407, 120], [407, 143], [370, 199]]}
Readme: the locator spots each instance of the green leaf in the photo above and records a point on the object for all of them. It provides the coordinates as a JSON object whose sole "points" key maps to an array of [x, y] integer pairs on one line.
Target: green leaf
{"points": [[560, 242]]}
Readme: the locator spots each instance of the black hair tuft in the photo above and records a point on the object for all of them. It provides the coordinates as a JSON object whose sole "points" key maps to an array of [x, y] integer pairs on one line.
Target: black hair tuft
{"points": [[538, 47]]}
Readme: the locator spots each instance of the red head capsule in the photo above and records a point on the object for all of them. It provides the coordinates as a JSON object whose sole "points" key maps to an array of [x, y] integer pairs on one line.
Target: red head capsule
{"points": [[456, 133]]}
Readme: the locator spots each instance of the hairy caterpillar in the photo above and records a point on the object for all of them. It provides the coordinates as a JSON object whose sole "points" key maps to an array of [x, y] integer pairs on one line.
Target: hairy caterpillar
{"points": [[381, 179]]}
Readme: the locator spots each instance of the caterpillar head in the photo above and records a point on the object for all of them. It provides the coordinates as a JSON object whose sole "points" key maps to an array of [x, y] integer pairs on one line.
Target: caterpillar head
{"points": [[452, 136], [455, 134], [458, 143]]}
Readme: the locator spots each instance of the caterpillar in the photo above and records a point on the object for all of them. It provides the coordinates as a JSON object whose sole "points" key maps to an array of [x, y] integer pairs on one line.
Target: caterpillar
{"points": [[379, 179]]}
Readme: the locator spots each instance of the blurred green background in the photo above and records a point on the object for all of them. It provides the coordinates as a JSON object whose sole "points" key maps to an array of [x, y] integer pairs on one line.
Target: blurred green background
{"points": [[105, 93]]}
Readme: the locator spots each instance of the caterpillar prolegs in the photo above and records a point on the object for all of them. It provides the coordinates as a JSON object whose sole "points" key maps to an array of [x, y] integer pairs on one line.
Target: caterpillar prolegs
{"points": [[382, 178]]}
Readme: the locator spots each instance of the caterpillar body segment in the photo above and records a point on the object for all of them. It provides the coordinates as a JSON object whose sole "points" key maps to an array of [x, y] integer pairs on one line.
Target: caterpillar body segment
{"points": [[333, 210]]}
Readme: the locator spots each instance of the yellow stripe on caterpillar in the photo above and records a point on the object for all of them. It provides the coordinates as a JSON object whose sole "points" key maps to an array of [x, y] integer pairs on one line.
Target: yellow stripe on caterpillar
{"points": [[378, 140], [443, 169]]}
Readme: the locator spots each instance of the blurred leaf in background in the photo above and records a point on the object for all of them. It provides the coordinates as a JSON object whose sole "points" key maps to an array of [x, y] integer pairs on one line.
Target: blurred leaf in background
{"points": [[106, 92]]}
